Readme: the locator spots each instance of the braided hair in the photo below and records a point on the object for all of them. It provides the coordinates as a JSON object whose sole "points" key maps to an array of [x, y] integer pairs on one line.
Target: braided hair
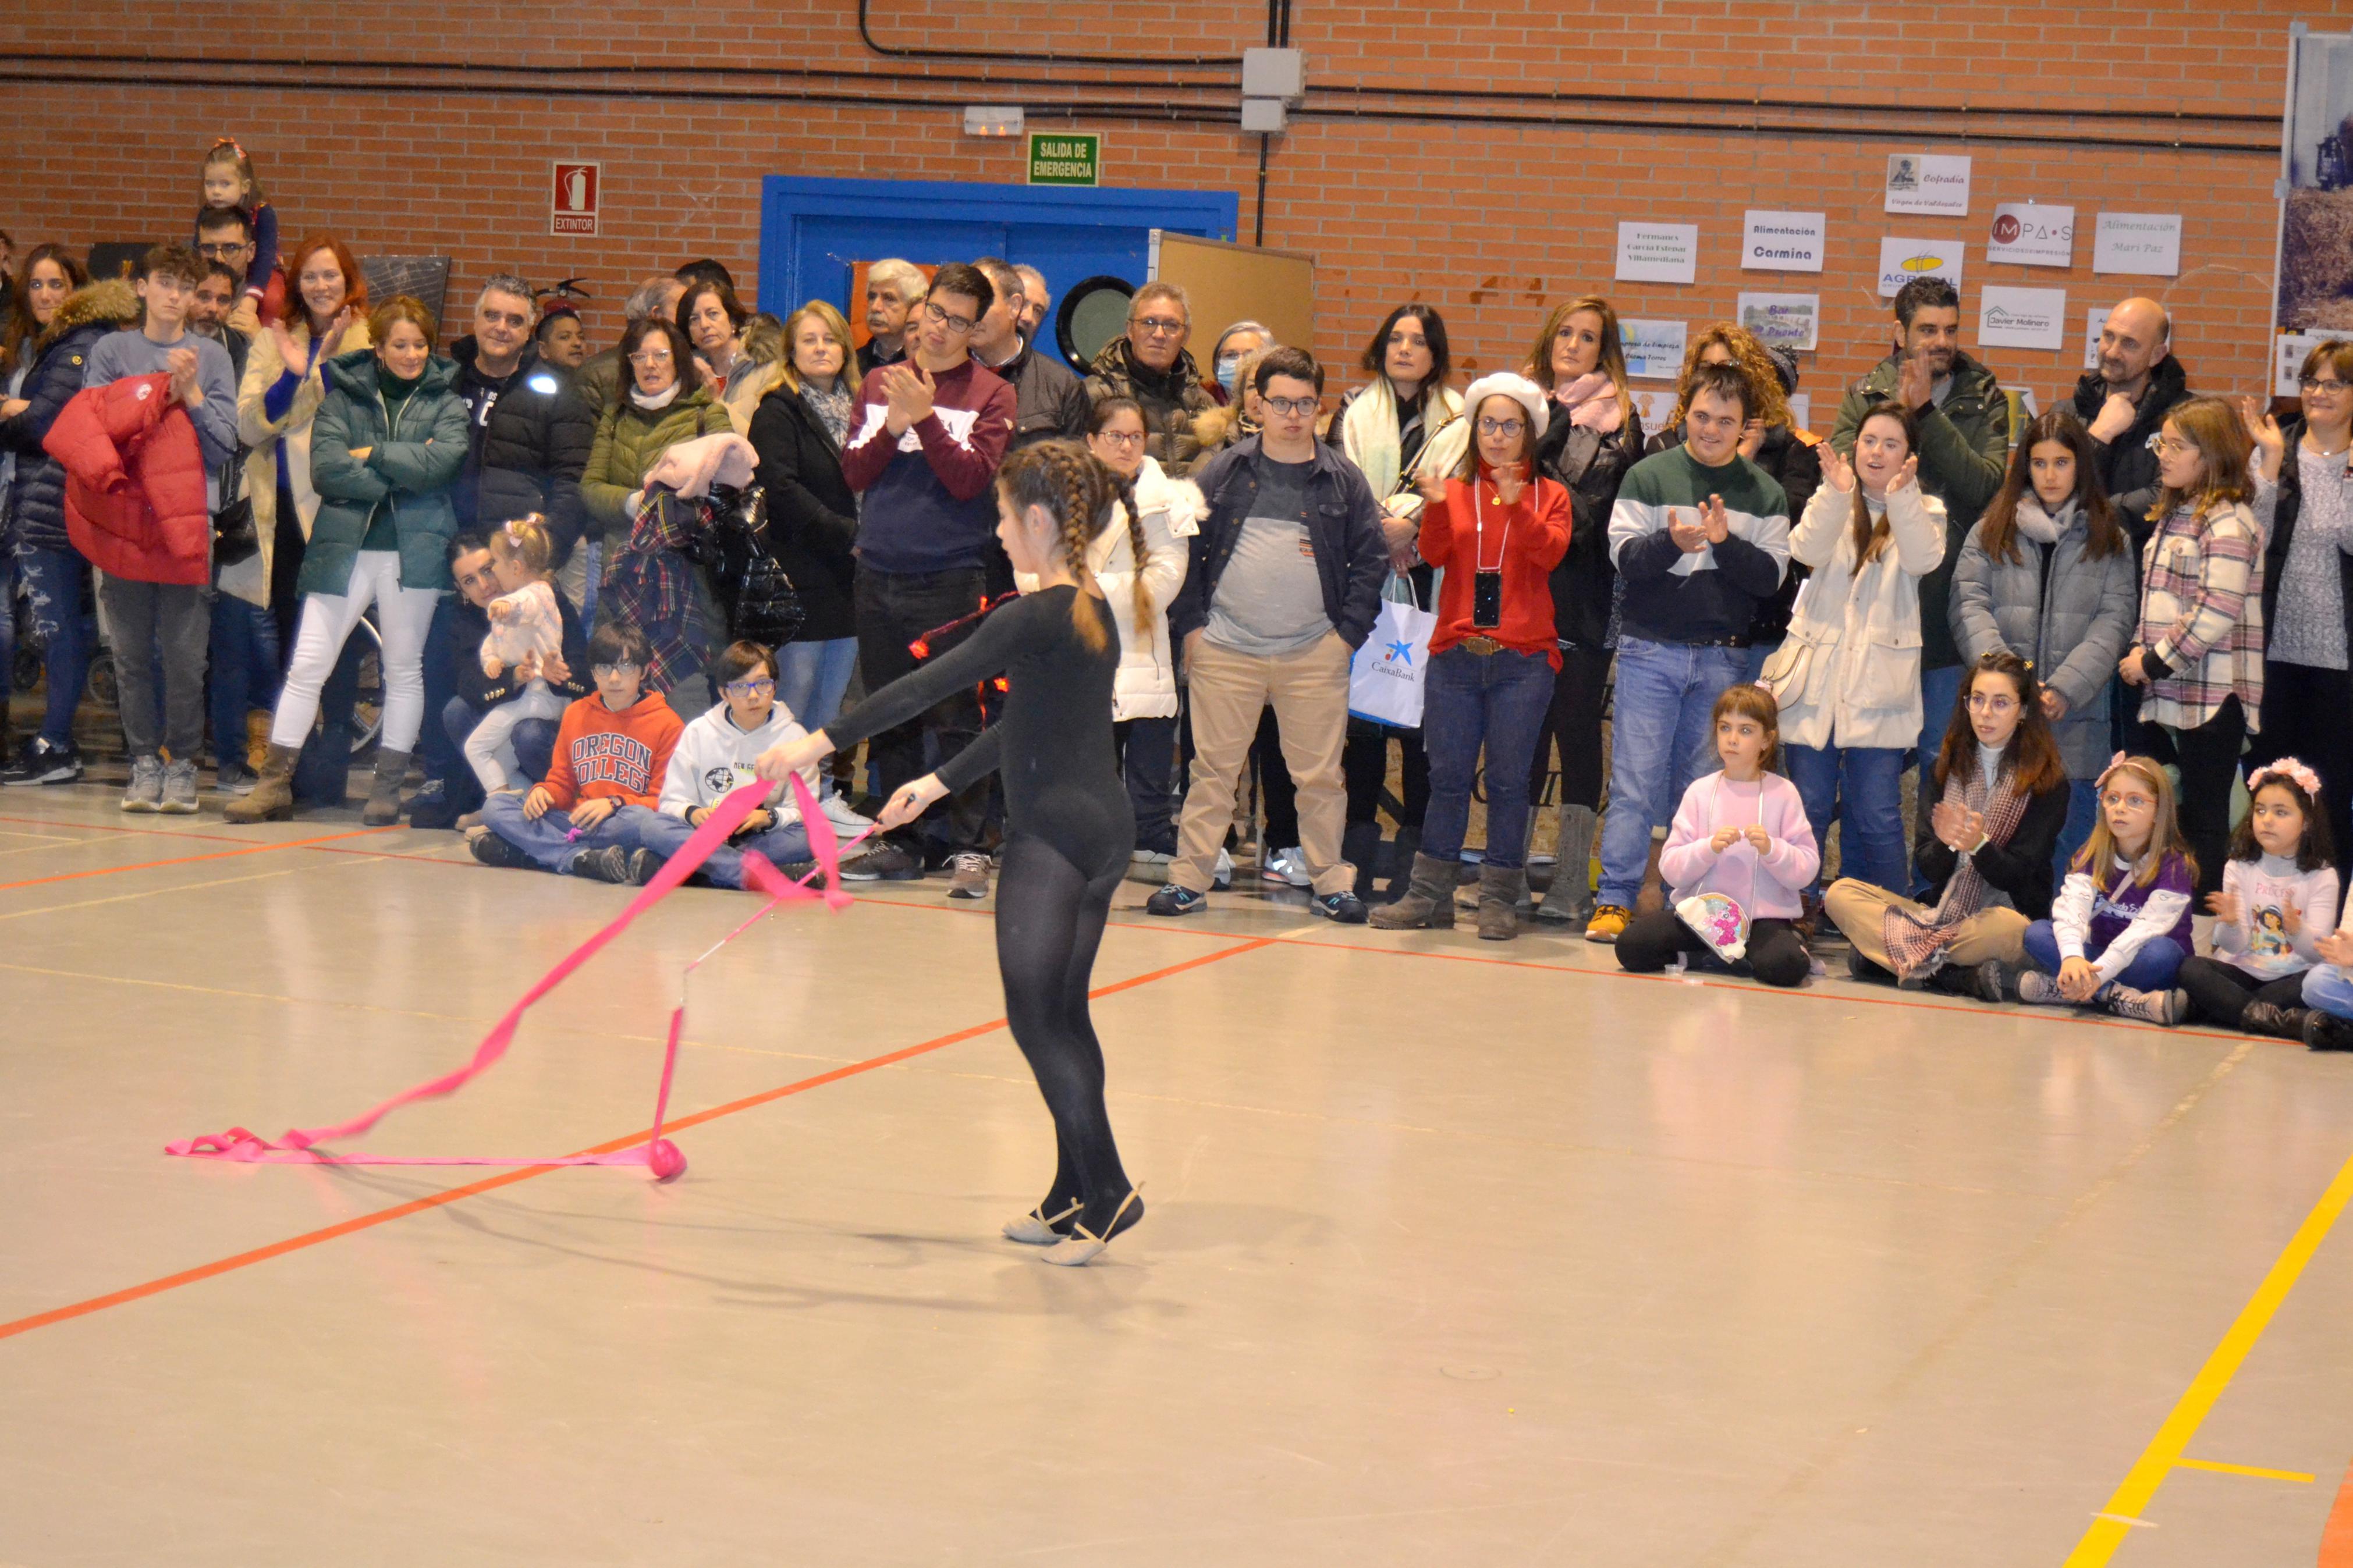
{"points": [[1078, 489]]}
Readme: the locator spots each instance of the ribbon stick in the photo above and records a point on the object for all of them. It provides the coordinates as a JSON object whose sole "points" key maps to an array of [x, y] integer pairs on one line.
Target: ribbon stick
{"points": [[658, 1155]]}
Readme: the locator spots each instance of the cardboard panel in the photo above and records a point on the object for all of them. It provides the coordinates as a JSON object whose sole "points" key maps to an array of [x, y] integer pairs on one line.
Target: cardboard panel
{"points": [[1236, 282]]}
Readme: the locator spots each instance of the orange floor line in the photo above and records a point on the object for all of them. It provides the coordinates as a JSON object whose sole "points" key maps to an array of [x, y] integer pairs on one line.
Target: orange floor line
{"points": [[193, 859], [203, 1271], [109, 827], [2336, 1536]]}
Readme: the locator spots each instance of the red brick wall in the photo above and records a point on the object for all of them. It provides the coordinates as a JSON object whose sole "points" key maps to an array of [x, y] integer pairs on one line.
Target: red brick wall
{"points": [[1489, 222]]}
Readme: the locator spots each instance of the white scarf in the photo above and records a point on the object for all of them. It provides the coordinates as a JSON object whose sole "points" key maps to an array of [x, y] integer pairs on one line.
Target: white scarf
{"points": [[653, 402], [1369, 432]]}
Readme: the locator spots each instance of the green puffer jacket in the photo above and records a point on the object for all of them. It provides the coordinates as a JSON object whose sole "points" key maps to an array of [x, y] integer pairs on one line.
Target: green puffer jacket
{"points": [[412, 461], [1964, 454], [628, 439]]}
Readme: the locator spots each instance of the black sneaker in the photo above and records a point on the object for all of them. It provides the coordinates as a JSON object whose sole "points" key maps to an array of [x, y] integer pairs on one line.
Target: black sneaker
{"points": [[883, 863], [2327, 1031], [43, 763], [644, 864], [1346, 909], [1172, 900], [610, 864], [492, 851]]}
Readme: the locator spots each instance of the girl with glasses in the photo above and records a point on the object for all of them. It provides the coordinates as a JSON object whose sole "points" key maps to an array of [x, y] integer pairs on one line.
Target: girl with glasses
{"points": [[2120, 927], [2306, 507]]}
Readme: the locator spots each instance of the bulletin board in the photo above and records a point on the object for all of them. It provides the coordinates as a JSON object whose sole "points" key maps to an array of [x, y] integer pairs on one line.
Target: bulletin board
{"points": [[1229, 283]]}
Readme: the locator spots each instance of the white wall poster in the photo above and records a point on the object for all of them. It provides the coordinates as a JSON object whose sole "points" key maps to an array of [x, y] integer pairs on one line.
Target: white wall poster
{"points": [[2147, 245], [1782, 321], [2094, 321], [2026, 234], [1902, 260], [1658, 252], [1927, 182], [2021, 318], [1783, 241], [1655, 350]]}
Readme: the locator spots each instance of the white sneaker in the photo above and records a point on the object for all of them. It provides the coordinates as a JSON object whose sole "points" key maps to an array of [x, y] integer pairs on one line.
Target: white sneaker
{"points": [[1223, 877], [1152, 857], [842, 814], [1289, 866]]}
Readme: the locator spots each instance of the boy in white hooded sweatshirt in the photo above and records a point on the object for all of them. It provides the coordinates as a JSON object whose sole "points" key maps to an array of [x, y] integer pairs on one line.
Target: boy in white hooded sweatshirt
{"points": [[713, 758]]}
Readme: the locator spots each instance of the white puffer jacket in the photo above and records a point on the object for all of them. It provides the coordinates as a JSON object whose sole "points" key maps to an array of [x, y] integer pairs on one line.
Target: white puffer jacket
{"points": [[1849, 674], [1145, 686]]}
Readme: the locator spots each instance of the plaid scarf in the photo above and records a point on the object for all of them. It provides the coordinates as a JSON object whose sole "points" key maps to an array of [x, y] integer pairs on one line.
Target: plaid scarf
{"points": [[649, 583], [1917, 938]]}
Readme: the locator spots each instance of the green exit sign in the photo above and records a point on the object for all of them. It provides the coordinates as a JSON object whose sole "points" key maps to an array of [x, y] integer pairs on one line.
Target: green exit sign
{"points": [[1065, 158]]}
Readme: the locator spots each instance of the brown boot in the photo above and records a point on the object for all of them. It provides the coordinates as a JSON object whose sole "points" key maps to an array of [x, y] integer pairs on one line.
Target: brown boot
{"points": [[272, 799], [1429, 901], [1500, 888], [382, 808]]}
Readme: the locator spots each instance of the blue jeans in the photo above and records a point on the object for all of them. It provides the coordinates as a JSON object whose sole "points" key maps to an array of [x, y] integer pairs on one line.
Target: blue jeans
{"points": [[242, 674], [436, 750], [666, 834], [2151, 969], [54, 582], [549, 840], [1469, 701], [812, 676], [533, 740], [1940, 693], [1659, 740], [2325, 987], [2083, 816], [1754, 665], [1862, 787]]}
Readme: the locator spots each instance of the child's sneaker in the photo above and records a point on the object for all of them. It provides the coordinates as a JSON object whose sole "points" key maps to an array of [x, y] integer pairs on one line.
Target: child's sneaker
{"points": [[2148, 1006], [2040, 989], [492, 851], [1609, 923]]}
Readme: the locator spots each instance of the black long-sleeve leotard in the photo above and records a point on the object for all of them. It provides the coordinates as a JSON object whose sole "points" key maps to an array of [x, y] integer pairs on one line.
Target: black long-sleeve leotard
{"points": [[1052, 746]]}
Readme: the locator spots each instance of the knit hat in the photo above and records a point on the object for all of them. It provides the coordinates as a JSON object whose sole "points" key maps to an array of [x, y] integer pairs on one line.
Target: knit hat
{"points": [[1519, 389], [1785, 365]]}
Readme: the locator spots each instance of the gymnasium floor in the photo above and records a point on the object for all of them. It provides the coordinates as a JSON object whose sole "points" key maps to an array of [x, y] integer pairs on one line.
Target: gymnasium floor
{"points": [[1458, 1253]]}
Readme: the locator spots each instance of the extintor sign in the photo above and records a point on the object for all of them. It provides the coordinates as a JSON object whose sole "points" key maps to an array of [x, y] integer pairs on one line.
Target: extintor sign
{"points": [[573, 194]]}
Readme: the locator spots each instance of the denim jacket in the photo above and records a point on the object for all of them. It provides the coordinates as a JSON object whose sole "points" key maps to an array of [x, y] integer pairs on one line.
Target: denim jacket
{"points": [[1343, 527]]}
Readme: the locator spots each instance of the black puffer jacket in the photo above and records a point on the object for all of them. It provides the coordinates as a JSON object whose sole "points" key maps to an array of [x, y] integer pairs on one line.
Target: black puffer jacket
{"points": [[526, 447], [812, 512], [36, 503], [469, 625], [2128, 464], [1798, 469], [1589, 466]]}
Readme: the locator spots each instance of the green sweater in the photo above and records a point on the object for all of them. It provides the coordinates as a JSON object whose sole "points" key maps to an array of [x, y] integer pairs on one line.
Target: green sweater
{"points": [[1710, 595]]}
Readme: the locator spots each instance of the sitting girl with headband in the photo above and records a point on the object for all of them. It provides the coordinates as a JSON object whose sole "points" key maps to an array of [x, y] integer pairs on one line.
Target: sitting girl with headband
{"points": [[2121, 927], [2278, 900]]}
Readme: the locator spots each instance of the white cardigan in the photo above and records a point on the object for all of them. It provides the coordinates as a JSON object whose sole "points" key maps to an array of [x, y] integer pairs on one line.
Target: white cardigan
{"points": [[1849, 674], [1146, 684]]}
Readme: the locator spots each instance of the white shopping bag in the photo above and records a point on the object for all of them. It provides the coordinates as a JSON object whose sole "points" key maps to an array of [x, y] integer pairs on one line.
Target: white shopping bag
{"points": [[1386, 676]]}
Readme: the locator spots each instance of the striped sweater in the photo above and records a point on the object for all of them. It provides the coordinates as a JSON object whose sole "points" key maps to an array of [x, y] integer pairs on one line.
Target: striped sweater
{"points": [[1710, 595], [2202, 616]]}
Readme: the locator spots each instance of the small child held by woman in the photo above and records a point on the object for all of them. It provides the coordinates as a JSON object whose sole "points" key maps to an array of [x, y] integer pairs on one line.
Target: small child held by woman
{"points": [[2278, 901], [526, 630], [2120, 927], [1742, 833]]}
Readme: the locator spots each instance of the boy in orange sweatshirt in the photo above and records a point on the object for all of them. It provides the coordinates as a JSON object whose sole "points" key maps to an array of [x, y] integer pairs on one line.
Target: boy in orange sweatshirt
{"points": [[605, 780]]}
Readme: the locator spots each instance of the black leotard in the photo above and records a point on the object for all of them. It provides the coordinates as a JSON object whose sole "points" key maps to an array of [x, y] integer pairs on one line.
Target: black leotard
{"points": [[1053, 744]]}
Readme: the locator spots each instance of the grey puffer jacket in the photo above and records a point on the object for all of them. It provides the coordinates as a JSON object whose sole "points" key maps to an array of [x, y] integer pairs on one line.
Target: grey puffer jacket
{"points": [[2069, 615]]}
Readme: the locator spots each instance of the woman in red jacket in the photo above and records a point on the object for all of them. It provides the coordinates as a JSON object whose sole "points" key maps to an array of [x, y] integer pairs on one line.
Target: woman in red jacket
{"points": [[1497, 530]]}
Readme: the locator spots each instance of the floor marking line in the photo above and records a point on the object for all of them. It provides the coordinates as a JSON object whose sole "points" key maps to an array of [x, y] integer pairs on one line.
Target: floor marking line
{"points": [[134, 832], [193, 859], [2127, 1521], [2261, 1475], [2336, 1536], [246, 1260], [2165, 1450]]}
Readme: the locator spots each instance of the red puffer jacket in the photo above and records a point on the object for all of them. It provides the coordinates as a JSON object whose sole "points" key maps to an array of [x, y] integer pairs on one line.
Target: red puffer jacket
{"points": [[134, 482]]}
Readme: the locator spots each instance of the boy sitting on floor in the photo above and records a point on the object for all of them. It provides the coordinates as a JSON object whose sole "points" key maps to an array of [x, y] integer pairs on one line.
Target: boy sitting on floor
{"points": [[713, 758], [611, 751]]}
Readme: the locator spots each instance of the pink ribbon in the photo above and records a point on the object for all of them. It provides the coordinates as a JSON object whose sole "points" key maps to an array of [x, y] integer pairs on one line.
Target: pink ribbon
{"points": [[657, 1153]]}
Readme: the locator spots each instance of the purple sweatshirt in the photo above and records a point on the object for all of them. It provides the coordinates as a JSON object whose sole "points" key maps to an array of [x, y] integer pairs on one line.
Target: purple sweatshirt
{"points": [[2109, 925]]}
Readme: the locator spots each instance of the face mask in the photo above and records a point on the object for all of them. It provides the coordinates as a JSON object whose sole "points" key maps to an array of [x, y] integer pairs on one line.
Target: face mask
{"points": [[1229, 372]]}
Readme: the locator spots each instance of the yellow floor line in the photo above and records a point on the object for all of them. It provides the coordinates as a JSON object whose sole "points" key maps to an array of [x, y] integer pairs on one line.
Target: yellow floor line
{"points": [[2165, 1450], [2261, 1475]]}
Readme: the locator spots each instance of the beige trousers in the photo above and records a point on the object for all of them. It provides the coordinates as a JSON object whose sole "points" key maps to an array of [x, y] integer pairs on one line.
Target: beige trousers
{"points": [[1860, 910], [1228, 692]]}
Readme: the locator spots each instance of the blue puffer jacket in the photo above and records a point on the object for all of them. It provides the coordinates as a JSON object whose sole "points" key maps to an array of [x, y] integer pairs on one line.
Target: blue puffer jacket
{"points": [[36, 502]]}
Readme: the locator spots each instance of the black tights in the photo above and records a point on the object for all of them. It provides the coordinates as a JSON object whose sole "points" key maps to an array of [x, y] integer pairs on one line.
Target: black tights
{"points": [[1650, 941], [2221, 993], [1050, 922]]}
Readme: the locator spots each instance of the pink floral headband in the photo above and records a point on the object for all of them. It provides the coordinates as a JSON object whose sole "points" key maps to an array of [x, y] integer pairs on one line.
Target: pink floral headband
{"points": [[2286, 768]]}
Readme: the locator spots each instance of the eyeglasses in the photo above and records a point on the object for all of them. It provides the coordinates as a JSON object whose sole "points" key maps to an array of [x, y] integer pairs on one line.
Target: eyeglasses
{"points": [[214, 249], [2134, 801], [1293, 406], [602, 671], [1993, 702], [1501, 427], [651, 356], [1159, 326], [758, 685], [2314, 384], [1122, 438], [2173, 446], [957, 326]]}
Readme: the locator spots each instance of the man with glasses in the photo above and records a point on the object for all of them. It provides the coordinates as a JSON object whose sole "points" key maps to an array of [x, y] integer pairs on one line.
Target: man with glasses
{"points": [[1150, 364], [2124, 402], [1050, 401], [925, 440], [1284, 586], [224, 234]]}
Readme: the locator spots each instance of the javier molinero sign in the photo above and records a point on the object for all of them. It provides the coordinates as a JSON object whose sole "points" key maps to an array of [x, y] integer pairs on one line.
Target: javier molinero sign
{"points": [[2021, 318], [1783, 241]]}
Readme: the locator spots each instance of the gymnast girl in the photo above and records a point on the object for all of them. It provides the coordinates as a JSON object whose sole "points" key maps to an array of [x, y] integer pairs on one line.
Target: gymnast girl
{"points": [[1070, 828]]}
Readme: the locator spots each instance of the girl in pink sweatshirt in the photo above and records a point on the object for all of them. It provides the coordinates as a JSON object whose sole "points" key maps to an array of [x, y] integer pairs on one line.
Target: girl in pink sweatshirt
{"points": [[1741, 833]]}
